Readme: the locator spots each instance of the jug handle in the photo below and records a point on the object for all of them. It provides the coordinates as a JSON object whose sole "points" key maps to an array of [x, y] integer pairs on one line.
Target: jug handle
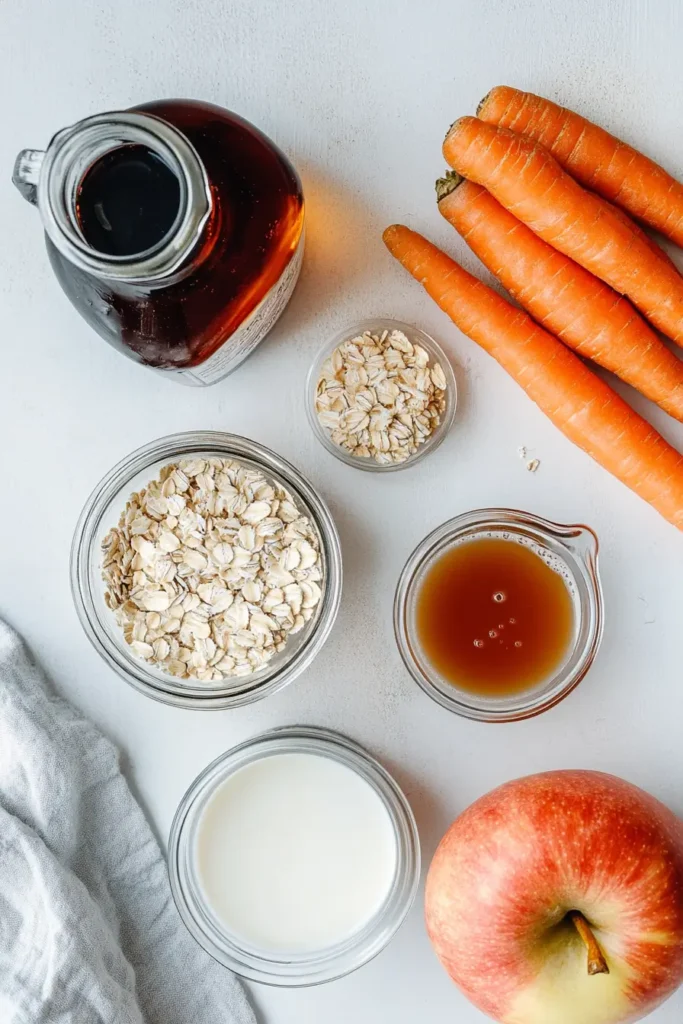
{"points": [[27, 173]]}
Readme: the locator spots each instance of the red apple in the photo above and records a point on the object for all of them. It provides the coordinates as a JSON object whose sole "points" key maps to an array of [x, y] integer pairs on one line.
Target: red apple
{"points": [[558, 899]]}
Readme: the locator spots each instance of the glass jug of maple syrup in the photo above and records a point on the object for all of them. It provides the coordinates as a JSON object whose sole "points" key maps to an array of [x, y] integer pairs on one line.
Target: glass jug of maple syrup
{"points": [[175, 228]]}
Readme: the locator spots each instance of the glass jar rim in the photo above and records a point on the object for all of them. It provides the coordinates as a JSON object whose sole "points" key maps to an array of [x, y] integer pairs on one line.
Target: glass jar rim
{"points": [[300, 970], [134, 671], [575, 544], [75, 149]]}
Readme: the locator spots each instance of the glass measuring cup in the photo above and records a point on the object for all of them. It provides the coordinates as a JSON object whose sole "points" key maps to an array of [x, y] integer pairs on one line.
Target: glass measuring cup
{"points": [[576, 549]]}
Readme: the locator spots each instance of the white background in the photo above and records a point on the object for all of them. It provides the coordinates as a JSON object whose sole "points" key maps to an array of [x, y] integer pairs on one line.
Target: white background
{"points": [[360, 95]]}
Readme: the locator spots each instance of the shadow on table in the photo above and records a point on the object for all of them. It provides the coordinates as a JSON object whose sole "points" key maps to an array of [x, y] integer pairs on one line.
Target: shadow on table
{"points": [[343, 250], [431, 816]]}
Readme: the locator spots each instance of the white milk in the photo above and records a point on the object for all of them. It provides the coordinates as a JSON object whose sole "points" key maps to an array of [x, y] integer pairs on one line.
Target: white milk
{"points": [[294, 853]]}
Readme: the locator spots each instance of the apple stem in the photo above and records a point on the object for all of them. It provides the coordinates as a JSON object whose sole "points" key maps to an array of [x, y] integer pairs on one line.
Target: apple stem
{"points": [[596, 961]]}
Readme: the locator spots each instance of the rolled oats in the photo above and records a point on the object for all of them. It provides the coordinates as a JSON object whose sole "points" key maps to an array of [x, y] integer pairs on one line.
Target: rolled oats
{"points": [[210, 568], [379, 398]]}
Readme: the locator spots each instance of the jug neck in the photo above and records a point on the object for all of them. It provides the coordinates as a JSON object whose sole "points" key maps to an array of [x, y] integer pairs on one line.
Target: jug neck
{"points": [[52, 180]]}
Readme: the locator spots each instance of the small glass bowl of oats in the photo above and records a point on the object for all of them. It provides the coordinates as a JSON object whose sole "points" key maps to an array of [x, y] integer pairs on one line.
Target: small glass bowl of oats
{"points": [[206, 570], [381, 395]]}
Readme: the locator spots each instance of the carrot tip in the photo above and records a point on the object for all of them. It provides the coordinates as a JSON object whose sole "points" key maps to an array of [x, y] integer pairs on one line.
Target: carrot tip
{"points": [[457, 125], [444, 186], [390, 233], [482, 103], [489, 95]]}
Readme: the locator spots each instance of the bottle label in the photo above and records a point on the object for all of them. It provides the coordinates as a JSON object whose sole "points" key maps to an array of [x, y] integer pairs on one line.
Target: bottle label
{"points": [[251, 333]]}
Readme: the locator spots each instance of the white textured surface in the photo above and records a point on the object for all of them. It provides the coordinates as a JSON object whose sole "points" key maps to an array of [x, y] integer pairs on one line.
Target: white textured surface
{"points": [[360, 95]]}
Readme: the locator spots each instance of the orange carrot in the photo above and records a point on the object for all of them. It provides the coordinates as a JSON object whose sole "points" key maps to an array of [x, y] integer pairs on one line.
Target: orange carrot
{"points": [[635, 227], [594, 157], [572, 304], [530, 183], [578, 402]]}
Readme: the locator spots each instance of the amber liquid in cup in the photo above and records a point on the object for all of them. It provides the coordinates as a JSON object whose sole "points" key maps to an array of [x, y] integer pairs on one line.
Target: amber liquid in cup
{"points": [[494, 617]]}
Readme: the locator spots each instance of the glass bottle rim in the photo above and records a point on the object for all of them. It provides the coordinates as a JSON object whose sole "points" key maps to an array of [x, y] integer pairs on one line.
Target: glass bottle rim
{"points": [[575, 544], [298, 970], [74, 150], [115, 488]]}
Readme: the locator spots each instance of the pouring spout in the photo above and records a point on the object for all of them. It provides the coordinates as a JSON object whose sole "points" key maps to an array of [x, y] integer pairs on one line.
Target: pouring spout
{"points": [[27, 173], [585, 544]]}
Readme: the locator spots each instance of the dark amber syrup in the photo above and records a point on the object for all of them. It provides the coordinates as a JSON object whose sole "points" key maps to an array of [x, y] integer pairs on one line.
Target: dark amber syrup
{"points": [[128, 201], [252, 232], [494, 617]]}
